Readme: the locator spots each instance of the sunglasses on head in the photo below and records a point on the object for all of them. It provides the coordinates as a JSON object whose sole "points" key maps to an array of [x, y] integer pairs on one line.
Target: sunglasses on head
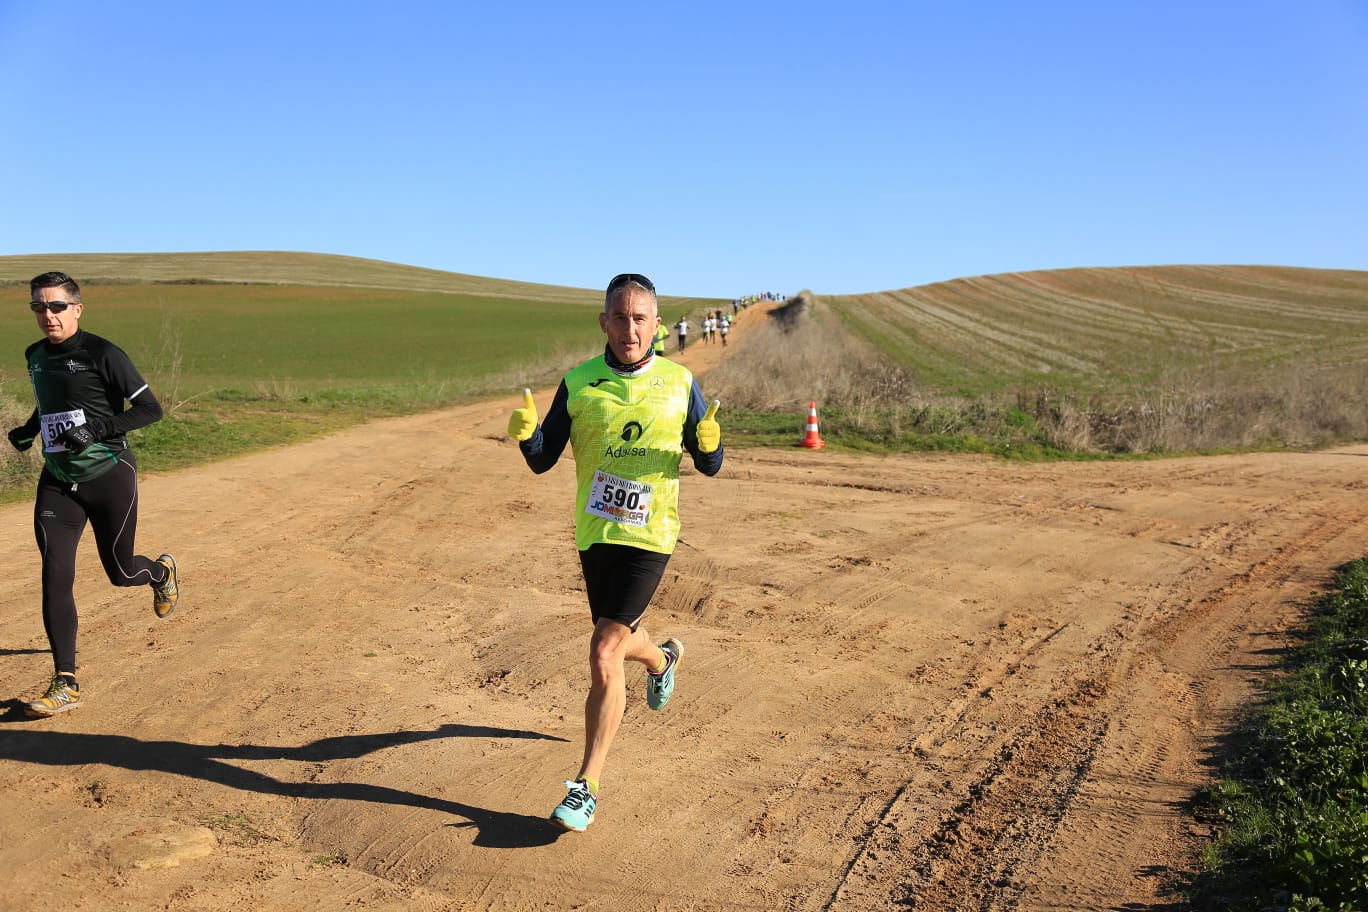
{"points": [[54, 306], [631, 278]]}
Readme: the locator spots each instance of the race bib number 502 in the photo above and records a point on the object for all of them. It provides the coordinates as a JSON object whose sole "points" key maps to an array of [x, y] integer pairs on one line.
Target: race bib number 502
{"points": [[55, 424], [619, 500]]}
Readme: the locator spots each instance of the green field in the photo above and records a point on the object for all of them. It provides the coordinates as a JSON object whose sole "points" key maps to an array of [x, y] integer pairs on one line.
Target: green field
{"points": [[258, 349], [313, 326], [253, 349], [238, 339]]}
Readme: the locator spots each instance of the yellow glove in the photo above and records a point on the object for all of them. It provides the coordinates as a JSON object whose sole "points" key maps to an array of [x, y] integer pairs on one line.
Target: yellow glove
{"points": [[523, 422], [709, 431]]}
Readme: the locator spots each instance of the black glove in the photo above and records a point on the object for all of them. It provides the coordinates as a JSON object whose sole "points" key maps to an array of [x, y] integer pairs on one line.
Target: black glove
{"points": [[78, 438], [20, 439]]}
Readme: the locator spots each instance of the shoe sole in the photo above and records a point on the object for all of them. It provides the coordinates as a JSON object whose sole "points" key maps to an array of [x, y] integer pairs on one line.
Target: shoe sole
{"points": [[49, 713], [568, 826]]}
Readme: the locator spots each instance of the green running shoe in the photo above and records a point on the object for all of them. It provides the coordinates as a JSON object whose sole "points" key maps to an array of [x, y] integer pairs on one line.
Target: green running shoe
{"points": [[164, 597], [576, 812], [62, 694], [660, 686]]}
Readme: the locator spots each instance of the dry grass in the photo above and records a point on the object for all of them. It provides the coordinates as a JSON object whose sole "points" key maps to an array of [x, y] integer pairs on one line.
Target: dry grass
{"points": [[802, 354], [1302, 406], [796, 356], [16, 469]]}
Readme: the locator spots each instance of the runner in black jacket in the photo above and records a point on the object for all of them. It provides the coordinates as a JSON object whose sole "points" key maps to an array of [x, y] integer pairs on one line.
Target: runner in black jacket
{"points": [[80, 382]]}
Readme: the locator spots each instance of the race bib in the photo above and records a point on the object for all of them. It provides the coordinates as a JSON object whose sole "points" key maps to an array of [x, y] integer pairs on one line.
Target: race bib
{"points": [[619, 500], [58, 423]]}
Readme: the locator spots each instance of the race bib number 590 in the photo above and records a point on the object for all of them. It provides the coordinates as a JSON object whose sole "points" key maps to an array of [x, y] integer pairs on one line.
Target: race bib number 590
{"points": [[619, 500]]}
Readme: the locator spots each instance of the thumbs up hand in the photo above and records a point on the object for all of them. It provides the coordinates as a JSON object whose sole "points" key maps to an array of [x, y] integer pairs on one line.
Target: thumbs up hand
{"points": [[709, 431], [522, 424]]}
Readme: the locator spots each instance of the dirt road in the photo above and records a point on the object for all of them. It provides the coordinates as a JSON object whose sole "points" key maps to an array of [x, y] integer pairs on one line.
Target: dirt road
{"points": [[913, 682]]}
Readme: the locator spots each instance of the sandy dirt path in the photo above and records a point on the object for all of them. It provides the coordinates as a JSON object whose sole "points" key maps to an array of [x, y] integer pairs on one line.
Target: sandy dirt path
{"points": [[911, 682]]}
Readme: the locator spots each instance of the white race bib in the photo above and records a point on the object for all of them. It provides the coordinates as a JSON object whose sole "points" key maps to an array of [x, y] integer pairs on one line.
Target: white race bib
{"points": [[619, 500], [58, 423]]}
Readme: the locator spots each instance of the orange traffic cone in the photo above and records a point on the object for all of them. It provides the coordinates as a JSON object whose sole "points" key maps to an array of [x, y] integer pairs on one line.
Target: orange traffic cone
{"points": [[813, 440]]}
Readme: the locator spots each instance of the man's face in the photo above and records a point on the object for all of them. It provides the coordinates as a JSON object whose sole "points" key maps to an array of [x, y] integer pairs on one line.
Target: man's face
{"points": [[629, 319], [58, 327]]}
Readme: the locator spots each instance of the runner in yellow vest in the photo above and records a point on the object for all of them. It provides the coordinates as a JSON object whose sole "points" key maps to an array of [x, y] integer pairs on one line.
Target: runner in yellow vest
{"points": [[628, 416], [661, 334]]}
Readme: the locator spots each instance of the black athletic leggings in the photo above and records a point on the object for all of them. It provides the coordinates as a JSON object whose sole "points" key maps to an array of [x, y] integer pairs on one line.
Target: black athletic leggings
{"points": [[60, 512]]}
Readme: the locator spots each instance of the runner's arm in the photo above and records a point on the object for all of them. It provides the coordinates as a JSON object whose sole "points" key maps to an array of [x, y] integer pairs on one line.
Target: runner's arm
{"points": [[121, 375], [543, 449], [707, 463], [144, 410]]}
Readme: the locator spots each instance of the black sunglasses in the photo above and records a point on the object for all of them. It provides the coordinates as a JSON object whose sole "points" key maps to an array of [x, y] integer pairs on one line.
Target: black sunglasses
{"points": [[631, 278], [54, 306]]}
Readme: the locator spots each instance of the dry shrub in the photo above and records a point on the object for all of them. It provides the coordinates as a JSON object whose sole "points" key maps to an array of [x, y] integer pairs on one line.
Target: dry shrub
{"points": [[1298, 406], [275, 390], [16, 469], [1064, 424], [799, 356]]}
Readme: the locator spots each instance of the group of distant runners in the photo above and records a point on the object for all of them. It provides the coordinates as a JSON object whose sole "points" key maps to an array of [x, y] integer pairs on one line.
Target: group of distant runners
{"points": [[629, 415], [716, 325]]}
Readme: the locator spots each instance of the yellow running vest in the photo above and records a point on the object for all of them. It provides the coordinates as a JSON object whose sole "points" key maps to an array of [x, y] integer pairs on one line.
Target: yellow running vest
{"points": [[627, 434]]}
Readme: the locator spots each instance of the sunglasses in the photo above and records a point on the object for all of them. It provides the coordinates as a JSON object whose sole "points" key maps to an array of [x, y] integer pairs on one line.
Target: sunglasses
{"points": [[54, 306], [631, 278]]}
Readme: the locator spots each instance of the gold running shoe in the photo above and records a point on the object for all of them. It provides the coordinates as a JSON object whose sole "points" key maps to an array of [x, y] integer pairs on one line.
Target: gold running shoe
{"points": [[164, 597], [62, 694]]}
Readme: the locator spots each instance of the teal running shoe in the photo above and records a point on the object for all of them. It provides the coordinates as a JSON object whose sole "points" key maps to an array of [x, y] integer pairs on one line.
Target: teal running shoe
{"points": [[660, 686], [576, 812]]}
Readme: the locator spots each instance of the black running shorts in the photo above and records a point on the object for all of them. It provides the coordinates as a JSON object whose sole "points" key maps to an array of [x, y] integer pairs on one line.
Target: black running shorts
{"points": [[621, 581]]}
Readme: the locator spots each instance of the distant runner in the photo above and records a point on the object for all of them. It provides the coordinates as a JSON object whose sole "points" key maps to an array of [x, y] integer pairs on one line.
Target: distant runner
{"points": [[80, 382], [628, 415]]}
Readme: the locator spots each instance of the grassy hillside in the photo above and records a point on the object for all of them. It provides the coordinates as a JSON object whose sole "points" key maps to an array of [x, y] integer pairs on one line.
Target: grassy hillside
{"points": [[277, 268], [1072, 362], [1100, 329], [299, 269]]}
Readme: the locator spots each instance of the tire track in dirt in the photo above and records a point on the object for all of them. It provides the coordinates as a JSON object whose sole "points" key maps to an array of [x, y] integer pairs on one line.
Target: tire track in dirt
{"points": [[983, 851], [947, 841]]}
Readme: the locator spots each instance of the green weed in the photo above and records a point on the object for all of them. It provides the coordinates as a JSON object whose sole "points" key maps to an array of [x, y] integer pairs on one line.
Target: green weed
{"points": [[1294, 804], [239, 828]]}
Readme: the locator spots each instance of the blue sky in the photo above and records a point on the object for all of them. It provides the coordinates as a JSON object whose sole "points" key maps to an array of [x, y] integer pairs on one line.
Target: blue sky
{"points": [[721, 148]]}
